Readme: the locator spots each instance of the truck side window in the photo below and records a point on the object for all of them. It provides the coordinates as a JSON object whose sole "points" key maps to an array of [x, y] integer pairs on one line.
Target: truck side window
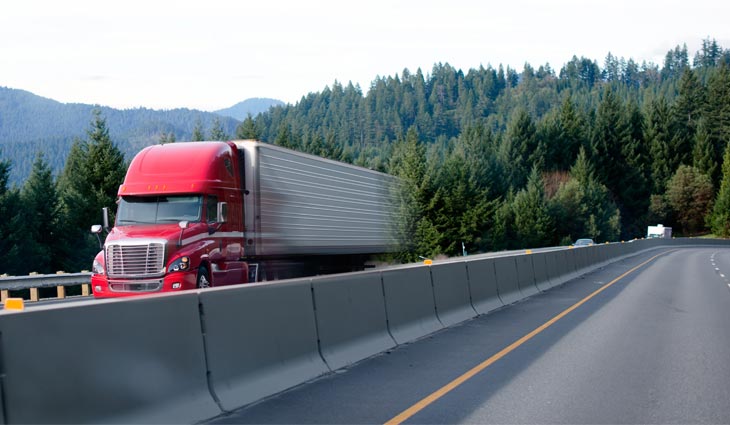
{"points": [[211, 209]]}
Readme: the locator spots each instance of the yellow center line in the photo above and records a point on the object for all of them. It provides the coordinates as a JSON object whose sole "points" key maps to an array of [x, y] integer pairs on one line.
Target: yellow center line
{"points": [[403, 416]]}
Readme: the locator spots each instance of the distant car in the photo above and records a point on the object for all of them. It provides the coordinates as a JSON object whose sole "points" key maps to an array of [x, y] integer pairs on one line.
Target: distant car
{"points": [[583, 242]]}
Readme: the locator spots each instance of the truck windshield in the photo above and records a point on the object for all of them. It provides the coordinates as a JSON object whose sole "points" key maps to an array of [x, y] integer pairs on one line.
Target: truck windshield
{"points": [[158, 209]]}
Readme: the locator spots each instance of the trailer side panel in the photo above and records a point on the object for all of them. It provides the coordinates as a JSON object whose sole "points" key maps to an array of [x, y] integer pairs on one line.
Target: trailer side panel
{"points": [[310, 205]]}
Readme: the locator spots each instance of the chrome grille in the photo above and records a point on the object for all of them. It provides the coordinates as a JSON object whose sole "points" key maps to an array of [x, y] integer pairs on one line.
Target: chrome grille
{"points": [[135, 260], [141, 286]]}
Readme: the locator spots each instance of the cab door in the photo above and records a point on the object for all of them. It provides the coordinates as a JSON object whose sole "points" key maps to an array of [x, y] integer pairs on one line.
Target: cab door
{"points": [[226, 265]]}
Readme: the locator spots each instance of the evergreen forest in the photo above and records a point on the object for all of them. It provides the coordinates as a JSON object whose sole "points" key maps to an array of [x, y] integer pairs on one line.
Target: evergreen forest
{"points": [[490, 159]]}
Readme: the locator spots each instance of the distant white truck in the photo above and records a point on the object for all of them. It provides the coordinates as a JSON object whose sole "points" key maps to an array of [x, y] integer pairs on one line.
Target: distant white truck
{"points": [[658, 231]]}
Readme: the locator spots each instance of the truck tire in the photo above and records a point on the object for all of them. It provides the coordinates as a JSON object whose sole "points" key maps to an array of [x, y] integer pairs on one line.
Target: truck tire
{"points": [[203, 280]]}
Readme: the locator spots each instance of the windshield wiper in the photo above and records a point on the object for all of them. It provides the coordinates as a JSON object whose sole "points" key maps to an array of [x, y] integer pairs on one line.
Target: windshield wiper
{"points": [[125, 222]]}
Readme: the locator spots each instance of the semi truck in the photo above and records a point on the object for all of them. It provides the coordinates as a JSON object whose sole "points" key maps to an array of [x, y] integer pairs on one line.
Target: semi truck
{"points": [[658, 231], [200, 214]]}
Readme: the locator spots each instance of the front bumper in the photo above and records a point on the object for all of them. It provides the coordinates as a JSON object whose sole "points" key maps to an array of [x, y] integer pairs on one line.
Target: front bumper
{"points": [[102, 287]]}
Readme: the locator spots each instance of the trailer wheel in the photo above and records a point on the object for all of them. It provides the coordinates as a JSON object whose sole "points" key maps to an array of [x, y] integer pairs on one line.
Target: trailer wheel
{"points": [[203, 277]]}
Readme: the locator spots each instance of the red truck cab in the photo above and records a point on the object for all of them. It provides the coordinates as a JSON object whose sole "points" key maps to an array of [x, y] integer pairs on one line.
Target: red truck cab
{"points": [[179, 223]]}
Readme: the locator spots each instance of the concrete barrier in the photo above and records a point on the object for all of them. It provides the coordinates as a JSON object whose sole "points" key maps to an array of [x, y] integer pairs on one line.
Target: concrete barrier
{"points": [[451, 293], [351, 321], [124, 361], [554, 264], [622, 250], [526, 275], [631, 248], [260, 339], [608, 253], [599, 256], [581, 260], [505, 269], [617, 252], [571, 262], [483, 285], [2, 406], [409, 303], [560, 269], [594, 257], [589, 258], [539, 266]]}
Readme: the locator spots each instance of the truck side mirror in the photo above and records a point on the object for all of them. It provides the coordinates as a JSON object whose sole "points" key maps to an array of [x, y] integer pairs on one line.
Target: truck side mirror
{"points": [[222, 215], [96, 229], [184, 224]]}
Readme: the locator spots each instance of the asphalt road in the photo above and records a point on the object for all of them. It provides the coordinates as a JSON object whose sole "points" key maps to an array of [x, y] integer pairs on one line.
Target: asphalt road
{"points": [[650, 345]]}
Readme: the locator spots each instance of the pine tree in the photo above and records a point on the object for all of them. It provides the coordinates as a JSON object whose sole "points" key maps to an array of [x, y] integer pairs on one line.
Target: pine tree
{"points": [[617, 152], [703, 153], [480, 148], [11, 225], [167, 138], [518, 148], [460, 208], [610, 132], [582, 207], [571, 136], [503, 234], [720, 218], [675, 62], [217, 132], [284, 138], [41, 219], [686, 113], [634, 188], [314, 144], [5, 167], [198, 133], [94, 170], [414, 231], [582, 170], [708, 55], [247, 129], [105, 165], [658, 136], [332, 149], [533, 224], [689, 194], [717, 114]]}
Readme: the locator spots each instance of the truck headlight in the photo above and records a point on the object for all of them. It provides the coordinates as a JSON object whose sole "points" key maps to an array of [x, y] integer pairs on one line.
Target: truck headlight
{"points": [[97, 268], [179, 265]]}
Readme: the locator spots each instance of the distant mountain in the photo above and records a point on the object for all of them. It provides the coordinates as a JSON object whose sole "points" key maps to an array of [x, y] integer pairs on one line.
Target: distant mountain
{"points": [[31, 123], [248, 107]]}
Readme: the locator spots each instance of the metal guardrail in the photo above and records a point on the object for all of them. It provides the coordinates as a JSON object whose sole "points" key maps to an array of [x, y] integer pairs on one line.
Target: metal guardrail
{"points": [[35, 282]]}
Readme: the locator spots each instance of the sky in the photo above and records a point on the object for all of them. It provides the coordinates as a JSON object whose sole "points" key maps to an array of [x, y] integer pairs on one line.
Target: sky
{"points": [[212, 54]]}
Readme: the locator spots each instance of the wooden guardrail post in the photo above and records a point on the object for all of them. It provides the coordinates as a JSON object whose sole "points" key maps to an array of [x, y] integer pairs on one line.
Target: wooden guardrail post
{"points": [[85, 289], [61, 292], [3, 295], [34, 294]]}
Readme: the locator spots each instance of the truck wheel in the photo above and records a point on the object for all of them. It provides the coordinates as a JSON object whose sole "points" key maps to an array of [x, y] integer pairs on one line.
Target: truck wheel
{"points": [[203, 277]]}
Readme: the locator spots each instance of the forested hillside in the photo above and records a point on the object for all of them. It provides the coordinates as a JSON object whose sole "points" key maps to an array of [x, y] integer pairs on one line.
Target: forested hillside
{"points": [[30, 123], [490, 158], [503, 159]]}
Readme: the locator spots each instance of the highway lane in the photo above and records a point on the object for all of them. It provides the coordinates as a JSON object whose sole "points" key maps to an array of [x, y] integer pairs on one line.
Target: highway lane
{"points": [[653, 346]]}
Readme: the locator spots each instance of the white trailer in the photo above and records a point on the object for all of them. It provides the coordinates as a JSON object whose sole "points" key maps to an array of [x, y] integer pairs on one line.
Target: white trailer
{"points": [[301, 204], [659, 231]]}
